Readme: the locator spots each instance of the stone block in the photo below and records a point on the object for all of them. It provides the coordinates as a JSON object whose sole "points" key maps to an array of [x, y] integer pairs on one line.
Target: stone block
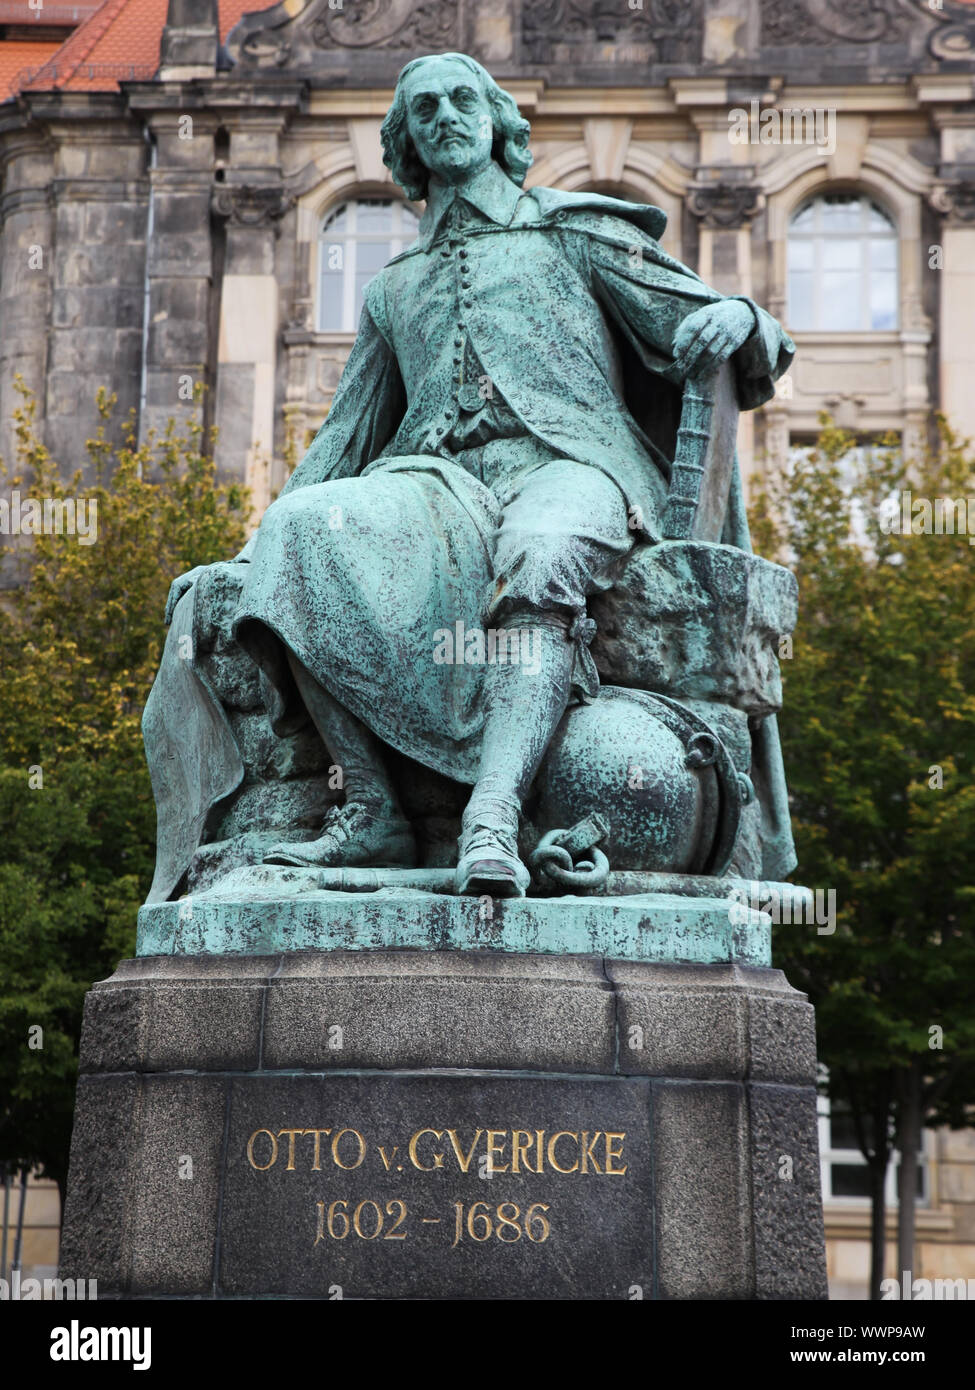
{"points": [[182, 299], [782, 1039], [117, 159], [177, 342], [76, 265], [163, 390], [703, 1206], [64, 395], [68, 309], [957, 1145], [175, 1226], [786, 1192], [128, 356], [956, 1182], [88, 350], [115, 222], [213, 1027], [250, 251], [679, 1021], [235, 412], [120, 264], [69, 223], [96, 1231], [476, 1011], [474, 1101], [115, 1030]]}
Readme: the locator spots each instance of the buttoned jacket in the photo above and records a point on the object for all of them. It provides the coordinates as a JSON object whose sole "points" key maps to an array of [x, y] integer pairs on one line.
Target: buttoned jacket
{"points": [[567, 305]]}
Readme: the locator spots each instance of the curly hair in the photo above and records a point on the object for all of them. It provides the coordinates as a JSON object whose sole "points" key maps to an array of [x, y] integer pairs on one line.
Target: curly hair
{"points": [[511, 131]]}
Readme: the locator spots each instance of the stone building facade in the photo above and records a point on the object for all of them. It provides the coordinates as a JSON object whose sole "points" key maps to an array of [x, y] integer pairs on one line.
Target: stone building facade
{"points": [[206, 215], [164, 231]]}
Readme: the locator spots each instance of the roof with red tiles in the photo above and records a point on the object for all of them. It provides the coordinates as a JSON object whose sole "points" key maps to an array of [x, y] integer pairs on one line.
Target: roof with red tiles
{"points": [[18, 59], [117, 42]]}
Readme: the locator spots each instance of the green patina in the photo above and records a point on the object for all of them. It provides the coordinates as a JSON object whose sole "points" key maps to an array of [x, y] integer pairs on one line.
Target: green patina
{"points": [[650, 927], [508, 588]]}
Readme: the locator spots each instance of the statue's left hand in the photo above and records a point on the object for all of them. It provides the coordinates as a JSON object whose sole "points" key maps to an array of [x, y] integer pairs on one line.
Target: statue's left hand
{"points": [[710, 335], [178, 588]]}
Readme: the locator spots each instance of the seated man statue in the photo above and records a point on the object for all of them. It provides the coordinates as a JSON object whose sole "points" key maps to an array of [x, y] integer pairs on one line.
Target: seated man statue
{"points": [[490, 458]]}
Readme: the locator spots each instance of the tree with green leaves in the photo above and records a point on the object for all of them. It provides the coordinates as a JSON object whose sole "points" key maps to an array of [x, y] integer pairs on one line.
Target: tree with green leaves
{"points": [[81, 634], [878, 730]]}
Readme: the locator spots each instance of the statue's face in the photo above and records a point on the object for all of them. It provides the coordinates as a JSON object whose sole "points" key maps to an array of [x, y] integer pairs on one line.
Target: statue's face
{"points": [[448, 118]]}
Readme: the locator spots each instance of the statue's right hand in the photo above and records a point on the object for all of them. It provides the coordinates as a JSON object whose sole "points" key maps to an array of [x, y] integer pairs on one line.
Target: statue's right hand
{"points": [[180, 585]]}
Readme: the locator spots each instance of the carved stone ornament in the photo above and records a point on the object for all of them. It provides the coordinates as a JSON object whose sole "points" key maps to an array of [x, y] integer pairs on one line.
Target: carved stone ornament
{"points": [[850, 21], [671, 27], [388, 24], [249, 205], [953, 36], [954, 194], [724, 204], [272, 37]]}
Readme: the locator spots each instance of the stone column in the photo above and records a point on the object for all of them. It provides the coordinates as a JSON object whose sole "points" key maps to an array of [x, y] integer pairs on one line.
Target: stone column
{"points": [[27, 251], [98, 278], [954, 198], [252, 200], [180, 266], [248, 341], [948, 97]]}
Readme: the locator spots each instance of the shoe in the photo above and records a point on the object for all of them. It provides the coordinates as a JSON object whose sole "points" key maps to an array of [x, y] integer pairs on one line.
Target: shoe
{"points": [[353, 836], [489, 863]]}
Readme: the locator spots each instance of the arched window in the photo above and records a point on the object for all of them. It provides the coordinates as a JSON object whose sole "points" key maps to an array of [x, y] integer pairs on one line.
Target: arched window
{"points": [[842, 266], [356, 241]]}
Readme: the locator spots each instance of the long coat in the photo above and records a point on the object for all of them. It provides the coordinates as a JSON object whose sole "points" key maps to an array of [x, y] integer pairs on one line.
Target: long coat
{"points": [[568, 306]]}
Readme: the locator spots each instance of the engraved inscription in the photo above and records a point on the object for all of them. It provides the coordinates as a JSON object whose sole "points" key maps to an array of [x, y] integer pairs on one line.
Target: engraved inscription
{"points": [[433, 1186]]}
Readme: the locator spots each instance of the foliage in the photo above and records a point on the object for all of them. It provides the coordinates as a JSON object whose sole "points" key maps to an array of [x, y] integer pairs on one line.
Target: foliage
{"points": [[81, 634], [878, 731]]}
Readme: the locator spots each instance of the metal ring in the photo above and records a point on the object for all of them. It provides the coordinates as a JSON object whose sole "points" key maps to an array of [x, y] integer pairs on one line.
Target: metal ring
{"points": [[547, 851], [579, 877], [701, 750]]}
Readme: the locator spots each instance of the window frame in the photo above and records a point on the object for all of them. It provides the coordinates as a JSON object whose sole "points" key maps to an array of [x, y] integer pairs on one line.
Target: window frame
{"points": [[830, 1155], [399, 236], [865, 236]]}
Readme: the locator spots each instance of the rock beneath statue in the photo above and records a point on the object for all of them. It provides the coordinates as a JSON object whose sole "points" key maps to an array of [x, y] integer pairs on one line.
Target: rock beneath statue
{"points": [[697, 621]]}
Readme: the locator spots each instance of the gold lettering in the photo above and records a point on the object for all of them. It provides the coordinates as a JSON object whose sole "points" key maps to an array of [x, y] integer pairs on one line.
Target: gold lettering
{"points": [[540, 1162], [552, 1163], [335, 1150], [291, 1146], [587, 1154], [614, 1153], [382, 1155], [492, 1134], [518, 1147], [316, 1166], [262, 1168], [464, 1163], [437, 1158]]}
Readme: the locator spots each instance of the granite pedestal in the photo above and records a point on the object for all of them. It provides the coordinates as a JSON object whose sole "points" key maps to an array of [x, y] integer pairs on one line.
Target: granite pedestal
{"points": [[445, 1124]]}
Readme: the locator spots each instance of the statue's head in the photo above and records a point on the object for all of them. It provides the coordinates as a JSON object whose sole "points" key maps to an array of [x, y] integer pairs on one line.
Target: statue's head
{"points": [[450, 118]]}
